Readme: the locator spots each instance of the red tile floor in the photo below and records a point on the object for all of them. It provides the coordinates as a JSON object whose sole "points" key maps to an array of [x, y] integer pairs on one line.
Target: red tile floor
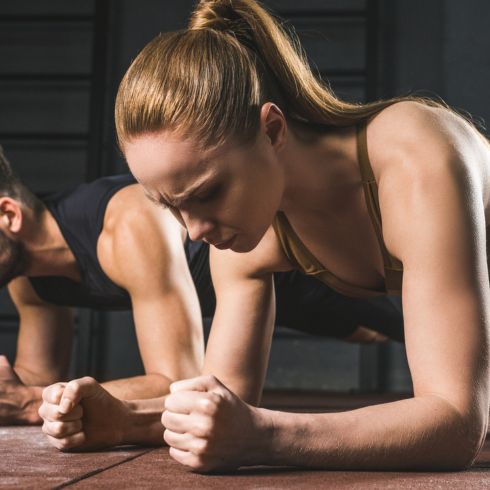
{"points": [[27, 461]]}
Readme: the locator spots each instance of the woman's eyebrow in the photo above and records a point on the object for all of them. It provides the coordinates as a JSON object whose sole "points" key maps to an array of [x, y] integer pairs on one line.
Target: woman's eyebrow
{"points": [[189, 193]]}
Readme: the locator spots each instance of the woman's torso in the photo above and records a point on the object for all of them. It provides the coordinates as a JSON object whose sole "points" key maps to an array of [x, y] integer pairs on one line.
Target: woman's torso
{"points": [[343, 244]]}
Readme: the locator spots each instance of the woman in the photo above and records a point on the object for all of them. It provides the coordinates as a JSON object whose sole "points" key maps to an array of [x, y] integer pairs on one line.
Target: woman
{"points": [[225, 124]]}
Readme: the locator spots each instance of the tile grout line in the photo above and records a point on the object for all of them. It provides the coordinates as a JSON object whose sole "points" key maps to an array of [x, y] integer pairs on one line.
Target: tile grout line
{"points": [[100, 470]]}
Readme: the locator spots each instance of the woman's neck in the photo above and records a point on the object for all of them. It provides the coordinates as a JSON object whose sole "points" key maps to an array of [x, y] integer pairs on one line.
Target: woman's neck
{"points": [[320, 170]]}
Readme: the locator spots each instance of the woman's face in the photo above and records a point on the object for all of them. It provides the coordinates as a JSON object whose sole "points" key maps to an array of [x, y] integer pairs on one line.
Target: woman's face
{"points": [[226, 196]]}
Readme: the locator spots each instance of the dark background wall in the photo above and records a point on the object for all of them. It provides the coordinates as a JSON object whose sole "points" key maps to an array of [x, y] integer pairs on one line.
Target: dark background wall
{"points": [[60, 65]]}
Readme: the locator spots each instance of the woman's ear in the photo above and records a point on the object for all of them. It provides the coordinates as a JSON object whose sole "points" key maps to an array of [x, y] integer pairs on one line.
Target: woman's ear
{"points": [[274, 124], [11, 217]]}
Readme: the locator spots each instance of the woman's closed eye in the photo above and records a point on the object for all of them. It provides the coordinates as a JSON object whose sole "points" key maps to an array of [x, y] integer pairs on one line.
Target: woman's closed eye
{"points": [[209, 194]]}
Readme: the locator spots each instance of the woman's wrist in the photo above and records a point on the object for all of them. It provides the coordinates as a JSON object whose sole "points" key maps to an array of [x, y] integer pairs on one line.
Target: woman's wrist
{"points": [[265, 444], [285, 435]]}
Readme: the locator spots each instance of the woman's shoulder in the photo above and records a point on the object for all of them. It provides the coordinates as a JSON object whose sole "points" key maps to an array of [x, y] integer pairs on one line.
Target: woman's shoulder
{"points": [[427, 162], [417, 137]]}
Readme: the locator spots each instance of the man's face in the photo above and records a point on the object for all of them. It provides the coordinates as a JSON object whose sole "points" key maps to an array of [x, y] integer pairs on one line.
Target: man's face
{"points": [[13, 262]]}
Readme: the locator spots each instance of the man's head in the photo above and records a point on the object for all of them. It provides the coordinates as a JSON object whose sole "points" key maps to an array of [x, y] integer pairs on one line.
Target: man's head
{"points": [[15, 200]]}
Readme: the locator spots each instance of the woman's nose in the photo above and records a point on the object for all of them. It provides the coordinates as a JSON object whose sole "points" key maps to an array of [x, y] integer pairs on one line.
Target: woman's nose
{"points": [[196, 227]]}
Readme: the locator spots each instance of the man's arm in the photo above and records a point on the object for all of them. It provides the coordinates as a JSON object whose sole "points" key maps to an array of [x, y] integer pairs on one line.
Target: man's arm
{"points": [[82, 415], [147, 258], [43, 354]]}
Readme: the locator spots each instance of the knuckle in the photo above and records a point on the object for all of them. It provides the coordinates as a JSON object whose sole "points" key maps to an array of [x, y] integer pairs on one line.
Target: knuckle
{"points": [[168, 401], [210, 403], [52, 392], [167, 437], [206, 405], [165, 418], [55, 415], [42, 410], [56, 428], [201, 447], [203, 428], [73, 386], [211, 379]]}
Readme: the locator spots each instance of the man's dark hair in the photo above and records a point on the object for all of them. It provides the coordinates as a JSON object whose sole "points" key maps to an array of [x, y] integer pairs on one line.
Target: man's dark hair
{"points": [[12, 186]]}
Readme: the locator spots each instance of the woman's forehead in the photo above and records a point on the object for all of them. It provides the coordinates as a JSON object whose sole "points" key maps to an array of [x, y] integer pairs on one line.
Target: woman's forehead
{"points": [[165, 162], [162, 154]]}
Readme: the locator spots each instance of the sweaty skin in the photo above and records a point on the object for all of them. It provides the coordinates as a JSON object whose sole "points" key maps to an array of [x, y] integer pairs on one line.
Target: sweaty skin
{"points": [[432, 170], [141, 250]]}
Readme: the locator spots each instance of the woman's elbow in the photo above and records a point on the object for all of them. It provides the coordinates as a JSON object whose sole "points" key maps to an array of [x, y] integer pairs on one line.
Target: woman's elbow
{"points": [[466, 444]]}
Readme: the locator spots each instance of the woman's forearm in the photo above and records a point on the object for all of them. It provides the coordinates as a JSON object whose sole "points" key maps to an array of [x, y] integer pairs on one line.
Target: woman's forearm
{"points": [[418, 433]]}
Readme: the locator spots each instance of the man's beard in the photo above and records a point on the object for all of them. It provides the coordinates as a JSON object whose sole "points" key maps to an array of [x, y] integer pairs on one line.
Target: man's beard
{"points": [[13, 260]]}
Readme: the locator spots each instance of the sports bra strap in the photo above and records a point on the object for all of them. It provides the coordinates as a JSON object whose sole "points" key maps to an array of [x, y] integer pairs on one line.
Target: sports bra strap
{"points": [[392, 266]]}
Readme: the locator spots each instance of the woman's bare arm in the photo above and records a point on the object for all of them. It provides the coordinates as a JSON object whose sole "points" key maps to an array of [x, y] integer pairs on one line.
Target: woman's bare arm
{"points": [[239, 342], [433, 220]]}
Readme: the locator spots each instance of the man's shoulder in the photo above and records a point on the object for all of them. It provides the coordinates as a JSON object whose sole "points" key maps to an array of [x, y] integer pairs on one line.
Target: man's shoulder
{"points": [[130, 212], [137, 236]]}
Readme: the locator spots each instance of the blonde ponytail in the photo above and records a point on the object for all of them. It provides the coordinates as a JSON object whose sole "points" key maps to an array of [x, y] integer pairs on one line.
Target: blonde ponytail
{"points": [[212, 79]]}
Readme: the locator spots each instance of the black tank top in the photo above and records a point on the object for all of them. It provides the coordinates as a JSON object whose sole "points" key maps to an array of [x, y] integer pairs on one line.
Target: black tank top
{"points": [[302, 302], [80, 216]]}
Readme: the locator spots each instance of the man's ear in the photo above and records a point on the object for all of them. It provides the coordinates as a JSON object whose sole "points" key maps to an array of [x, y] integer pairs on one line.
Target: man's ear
{"points": [[11, 217], [274, 124]]}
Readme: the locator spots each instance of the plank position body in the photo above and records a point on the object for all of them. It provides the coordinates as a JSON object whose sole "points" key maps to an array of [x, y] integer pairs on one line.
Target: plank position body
{"points": [[103, 245], [99, 246], [264, 163]]}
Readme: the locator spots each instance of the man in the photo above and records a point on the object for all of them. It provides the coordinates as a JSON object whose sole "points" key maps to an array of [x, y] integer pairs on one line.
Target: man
{"points": [[104, 245]]}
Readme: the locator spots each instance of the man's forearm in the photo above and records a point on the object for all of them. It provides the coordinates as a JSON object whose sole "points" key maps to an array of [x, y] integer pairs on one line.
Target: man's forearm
{"points": [[41, 377], [144, 425], [419, 433], [20, 406], [138, 387]]}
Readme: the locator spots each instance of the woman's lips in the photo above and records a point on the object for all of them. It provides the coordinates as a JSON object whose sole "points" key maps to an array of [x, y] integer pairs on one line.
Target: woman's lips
{"points": [[226, 244]]}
